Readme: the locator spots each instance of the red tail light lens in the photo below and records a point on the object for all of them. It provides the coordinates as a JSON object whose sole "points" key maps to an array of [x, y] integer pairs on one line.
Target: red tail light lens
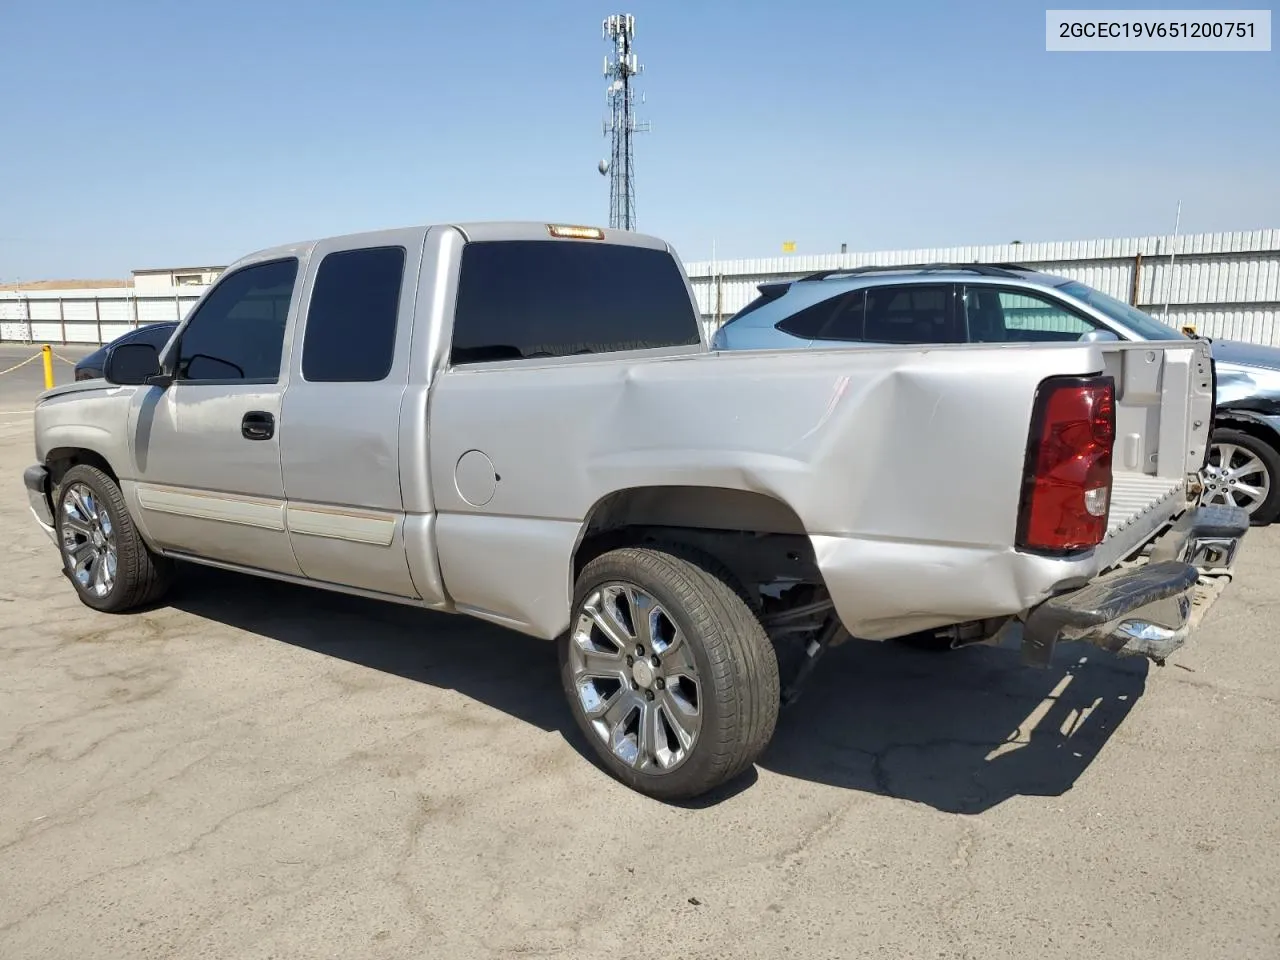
{"points": [[1066, 489]]}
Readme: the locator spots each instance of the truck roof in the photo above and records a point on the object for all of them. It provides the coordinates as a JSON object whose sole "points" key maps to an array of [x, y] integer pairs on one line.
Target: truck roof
{"points": [[479, 230]]}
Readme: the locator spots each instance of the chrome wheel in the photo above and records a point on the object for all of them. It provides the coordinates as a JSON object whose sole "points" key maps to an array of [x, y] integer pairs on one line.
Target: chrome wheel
{"points": [[1235, 476], [636, 679], [88, 540]]}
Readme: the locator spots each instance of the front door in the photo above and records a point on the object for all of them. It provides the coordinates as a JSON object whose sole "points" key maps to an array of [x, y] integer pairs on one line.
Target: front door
{"points": [[206, 450]]}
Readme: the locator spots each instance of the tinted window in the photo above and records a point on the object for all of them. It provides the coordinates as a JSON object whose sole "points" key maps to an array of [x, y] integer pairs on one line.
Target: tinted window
{"points": [[552, 298], [910, 314], [238, 332], [994, 315], [351, 323], [1143, 324], [836, 318], [157, 334]]}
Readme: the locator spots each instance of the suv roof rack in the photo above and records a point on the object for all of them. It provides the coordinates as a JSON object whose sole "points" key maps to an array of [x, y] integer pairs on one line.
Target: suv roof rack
{"points": [[983, 269]]}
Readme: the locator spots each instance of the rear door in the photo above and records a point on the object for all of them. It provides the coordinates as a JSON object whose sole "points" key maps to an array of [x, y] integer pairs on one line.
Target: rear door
{"points": [[340, 423]]}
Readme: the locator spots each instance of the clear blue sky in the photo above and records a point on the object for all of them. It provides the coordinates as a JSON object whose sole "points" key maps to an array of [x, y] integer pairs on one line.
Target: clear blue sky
{"points": [[153, 134]]}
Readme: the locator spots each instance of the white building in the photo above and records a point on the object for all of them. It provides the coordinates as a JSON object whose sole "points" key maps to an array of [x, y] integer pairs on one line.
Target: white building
{"points": [[162, 280]]}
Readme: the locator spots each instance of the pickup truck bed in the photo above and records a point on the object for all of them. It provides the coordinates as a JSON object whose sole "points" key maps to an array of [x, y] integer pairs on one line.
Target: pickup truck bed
{"points": [[523, 423]]}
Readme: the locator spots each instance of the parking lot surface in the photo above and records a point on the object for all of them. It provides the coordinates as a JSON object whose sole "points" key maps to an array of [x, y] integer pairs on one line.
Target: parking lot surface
{"points": [[254, 770]]}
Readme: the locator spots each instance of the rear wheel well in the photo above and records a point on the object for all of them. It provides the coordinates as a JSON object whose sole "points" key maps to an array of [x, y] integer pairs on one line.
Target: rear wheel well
{"points": [[757, 538]]}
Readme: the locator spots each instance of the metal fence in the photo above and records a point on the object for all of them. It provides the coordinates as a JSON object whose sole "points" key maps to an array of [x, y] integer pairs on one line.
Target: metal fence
{"points": [[89, 316]]}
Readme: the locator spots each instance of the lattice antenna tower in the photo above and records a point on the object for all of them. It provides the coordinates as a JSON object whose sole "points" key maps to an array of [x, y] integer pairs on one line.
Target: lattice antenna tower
{"points": [[621, 125]]}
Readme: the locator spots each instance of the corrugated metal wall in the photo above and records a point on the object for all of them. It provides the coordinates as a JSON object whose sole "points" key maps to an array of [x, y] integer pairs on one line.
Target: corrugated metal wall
{"points": [[1225, 284], [84, 316]]}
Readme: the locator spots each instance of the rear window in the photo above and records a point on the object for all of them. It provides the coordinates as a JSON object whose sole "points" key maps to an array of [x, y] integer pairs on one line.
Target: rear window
{"points": [[553, 298], [919, 313]]}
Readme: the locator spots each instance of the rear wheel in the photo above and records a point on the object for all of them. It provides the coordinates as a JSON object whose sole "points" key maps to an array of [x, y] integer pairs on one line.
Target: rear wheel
{"points": [[1243, 471], [668, 671], [105, 558]]}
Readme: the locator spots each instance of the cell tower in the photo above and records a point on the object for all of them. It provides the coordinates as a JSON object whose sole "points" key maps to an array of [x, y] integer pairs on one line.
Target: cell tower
{"points": [[622, 124]]}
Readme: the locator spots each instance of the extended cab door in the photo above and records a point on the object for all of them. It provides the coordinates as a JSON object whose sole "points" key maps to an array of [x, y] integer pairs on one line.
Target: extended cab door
{"points": [[205, 449], [340, 429]]}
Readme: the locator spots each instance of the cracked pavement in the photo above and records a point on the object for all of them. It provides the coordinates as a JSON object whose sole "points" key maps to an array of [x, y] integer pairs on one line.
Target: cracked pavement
{"points": [[253, 770]]}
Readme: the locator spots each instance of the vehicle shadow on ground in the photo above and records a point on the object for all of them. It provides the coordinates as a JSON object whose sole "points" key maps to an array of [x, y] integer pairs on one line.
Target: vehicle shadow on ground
{"points": [[960, 731]]}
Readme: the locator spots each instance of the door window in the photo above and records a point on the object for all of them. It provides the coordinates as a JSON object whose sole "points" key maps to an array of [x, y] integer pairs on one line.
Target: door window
{"points": [[914, 313], [1001, 315], [351, 322], [237, 333]]}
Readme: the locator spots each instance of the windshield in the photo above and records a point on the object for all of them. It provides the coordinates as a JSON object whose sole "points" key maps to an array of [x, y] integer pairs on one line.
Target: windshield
{"points": [[1144, 325]]}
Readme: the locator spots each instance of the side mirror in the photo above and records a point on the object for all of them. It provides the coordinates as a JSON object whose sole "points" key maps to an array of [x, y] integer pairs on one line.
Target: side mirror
{"points": [[131, 364], [1093, 336]]}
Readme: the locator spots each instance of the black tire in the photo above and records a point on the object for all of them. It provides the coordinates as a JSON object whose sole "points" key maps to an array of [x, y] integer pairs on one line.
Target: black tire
{"points": [[1267, 511], [141, 577], [739, 695]]}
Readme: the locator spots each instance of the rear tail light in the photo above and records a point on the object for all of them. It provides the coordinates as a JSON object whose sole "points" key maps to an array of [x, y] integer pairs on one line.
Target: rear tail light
{"points": [[1066, 486]]}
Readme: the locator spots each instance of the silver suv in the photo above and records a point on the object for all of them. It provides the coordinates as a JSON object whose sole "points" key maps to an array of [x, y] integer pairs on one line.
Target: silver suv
{"points": [[948, 303]]}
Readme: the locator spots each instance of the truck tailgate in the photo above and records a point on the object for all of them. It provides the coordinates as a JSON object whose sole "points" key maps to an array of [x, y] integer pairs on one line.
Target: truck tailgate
{"points": [[1164, 412]]}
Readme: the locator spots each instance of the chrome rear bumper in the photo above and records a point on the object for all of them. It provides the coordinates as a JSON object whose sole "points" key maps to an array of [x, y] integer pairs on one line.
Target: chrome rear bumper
{"points": [[1148, 610]]}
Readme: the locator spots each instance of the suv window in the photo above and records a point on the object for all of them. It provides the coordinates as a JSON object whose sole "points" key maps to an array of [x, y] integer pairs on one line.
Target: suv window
{"points": [[915, 313], [552, 298], [351, 322], [238, 332], [1000, 315], [836, 318]]}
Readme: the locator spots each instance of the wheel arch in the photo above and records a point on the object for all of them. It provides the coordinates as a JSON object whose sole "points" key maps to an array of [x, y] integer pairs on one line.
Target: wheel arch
{"points": [[696, 515], [61, 459], [1255, 424]]}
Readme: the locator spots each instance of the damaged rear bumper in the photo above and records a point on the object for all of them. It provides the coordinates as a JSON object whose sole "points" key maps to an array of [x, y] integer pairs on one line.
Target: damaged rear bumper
{"points": [[1151, 609]]}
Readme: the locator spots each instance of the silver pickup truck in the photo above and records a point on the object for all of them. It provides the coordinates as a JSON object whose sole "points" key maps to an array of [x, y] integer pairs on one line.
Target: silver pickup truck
{"points": [[523, 422]]}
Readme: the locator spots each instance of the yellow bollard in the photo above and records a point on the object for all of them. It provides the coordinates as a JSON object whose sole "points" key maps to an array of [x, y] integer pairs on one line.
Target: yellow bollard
{"points": [[48, 366]]}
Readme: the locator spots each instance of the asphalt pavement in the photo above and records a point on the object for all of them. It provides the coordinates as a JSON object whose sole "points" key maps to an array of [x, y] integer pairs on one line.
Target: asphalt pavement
{"points": [[20, 387], [255, 770]]}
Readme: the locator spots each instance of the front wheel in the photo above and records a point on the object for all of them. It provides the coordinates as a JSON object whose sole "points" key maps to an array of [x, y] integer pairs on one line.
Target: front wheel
{"points": [[102, 552], [668, 671], [1243, 471]]}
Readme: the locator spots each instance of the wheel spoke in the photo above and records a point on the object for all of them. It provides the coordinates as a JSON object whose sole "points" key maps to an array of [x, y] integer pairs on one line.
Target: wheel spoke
{"points": [[681, 722], [75, 524], [81, 557], [677, 657], [109, 564], [611, 628], [100, 585], [83, 503], [650, 736], [1251, 467], [642, 608], [1255, 494], [1226, 452], [599, 663]]}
